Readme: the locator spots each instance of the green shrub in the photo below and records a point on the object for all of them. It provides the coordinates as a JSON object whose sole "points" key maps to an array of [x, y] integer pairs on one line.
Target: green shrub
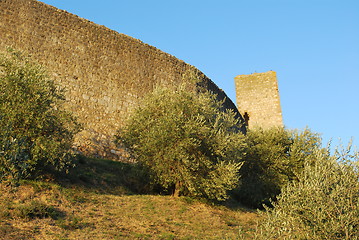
{"points": [[273, 158], [186, 142], [35, 133], [322, 204]]}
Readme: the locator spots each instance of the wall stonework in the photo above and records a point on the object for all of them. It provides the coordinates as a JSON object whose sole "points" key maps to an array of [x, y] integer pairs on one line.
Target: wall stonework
{"points": [[105, 73], [258, 100]]}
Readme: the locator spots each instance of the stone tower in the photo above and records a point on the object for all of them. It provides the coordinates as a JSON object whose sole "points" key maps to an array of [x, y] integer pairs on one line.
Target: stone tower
{"points": [[258, 101]]}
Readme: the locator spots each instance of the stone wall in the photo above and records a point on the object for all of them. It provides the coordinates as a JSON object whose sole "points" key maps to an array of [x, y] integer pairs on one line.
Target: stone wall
{"points": [[105, 73], [258, 99]]}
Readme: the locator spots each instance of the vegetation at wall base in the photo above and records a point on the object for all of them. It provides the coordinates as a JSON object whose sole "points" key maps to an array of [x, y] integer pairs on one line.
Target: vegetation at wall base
{"points": [[186, 142], [35, 132], [322, 204], [273, 158], [95, 200]]}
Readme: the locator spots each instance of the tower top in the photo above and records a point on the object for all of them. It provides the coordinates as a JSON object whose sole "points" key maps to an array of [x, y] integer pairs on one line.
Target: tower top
{"points": [[257, 97]]}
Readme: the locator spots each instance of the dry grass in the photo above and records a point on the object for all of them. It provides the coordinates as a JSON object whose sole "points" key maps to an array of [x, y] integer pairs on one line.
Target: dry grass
{"points": [[77, 211]]}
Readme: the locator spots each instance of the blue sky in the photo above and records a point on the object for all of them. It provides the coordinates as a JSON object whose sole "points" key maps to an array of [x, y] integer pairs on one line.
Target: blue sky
{"points": [[313, 45]]}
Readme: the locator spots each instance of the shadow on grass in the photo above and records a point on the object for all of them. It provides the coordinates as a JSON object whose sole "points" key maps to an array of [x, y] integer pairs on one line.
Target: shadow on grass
{"points": [[106, 176], [113, 177]]}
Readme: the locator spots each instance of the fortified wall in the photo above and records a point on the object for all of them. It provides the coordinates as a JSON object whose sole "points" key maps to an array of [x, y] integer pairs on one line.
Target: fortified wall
{"points": [[258, 100], [105, 73]]}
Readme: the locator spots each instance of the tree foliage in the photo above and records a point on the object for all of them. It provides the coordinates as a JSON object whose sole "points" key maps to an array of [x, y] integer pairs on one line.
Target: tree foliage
{"points": [[188, 144], [273, 158], [35, 133], [322, 204]]}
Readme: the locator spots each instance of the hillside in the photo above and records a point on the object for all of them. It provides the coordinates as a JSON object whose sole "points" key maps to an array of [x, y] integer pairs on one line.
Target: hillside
{"points": [[94, 203]]}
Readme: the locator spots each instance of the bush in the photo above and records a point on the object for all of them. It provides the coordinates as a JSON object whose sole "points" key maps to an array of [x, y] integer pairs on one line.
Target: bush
{"points": [[273, 158], [322, 204], [35, 134], [189, 146]]}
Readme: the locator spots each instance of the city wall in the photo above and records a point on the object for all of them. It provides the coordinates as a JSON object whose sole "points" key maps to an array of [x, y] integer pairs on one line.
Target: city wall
{"points": [[105, 73]]}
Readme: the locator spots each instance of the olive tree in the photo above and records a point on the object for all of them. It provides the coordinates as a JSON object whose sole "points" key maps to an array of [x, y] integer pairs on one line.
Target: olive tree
{"points": [[36, 134], [322, 204], [186, 142], [274, 157]]}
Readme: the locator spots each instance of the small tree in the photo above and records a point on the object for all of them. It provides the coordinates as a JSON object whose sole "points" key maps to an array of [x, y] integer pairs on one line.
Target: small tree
{"points": [[35, 134], [322, 204], [186, 141], [273, 158]]}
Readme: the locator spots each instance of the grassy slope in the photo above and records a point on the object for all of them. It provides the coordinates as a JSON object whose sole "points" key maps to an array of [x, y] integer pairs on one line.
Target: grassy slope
{"points": [[94, 202]]}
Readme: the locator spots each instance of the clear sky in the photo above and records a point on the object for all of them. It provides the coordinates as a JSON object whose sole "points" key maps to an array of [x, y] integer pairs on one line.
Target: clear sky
{"points": [[313, 45]]}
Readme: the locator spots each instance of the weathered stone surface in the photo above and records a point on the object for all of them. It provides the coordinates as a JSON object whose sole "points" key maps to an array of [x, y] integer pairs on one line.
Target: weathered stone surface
{"points": [[258, 99], [105, 73]]}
